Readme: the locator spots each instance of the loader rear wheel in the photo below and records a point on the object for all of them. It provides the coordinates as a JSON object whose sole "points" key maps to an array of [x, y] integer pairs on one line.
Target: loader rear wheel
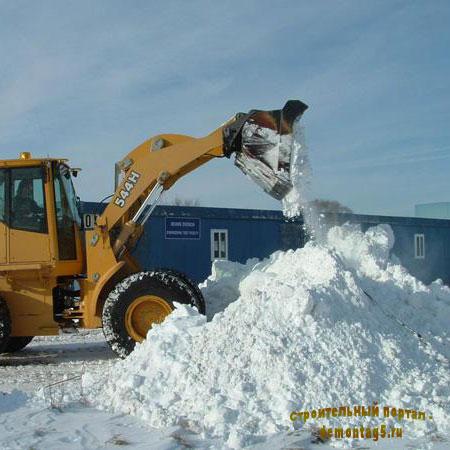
{"points": [[141, 300], [5, 325], [16, 343]]}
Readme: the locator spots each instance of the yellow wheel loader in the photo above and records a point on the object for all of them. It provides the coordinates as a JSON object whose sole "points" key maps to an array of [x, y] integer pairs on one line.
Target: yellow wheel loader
{"points": [[54, 275]]}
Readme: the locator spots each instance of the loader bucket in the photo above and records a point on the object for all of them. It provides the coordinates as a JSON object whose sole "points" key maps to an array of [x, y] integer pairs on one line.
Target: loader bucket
{"points": [[262, 142]]}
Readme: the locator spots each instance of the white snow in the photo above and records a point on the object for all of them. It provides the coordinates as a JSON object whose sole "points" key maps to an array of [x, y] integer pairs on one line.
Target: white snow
{"points": [[295, 202], [222, 287], [302, 335], [298, 201], [25, 425]]}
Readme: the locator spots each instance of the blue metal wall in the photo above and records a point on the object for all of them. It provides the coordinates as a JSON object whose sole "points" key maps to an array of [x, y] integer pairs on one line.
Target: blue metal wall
{"points": [[255, 233], [251, 233], [247, 237]]}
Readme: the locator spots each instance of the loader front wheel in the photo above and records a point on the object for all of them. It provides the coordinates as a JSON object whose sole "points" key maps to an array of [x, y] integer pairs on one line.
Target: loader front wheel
{"points": [[142, 300], [5, 325], [143, 312]]}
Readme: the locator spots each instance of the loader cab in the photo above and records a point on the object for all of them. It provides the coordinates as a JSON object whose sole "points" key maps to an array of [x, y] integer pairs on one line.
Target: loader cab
{"points": [[39, 218], [40, 242]]}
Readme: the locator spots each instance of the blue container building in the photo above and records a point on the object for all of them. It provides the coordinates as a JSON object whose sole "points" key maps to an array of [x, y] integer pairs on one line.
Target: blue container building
{"points": [[188, 239]]}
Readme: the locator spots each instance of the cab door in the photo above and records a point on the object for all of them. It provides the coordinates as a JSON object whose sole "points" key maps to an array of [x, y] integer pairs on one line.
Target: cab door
{"points": [[29, 240], [3, 226]]}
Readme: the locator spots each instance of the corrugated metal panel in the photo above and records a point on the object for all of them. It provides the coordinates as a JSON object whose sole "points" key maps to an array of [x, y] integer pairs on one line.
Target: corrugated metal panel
{"points": [[292, 235]]}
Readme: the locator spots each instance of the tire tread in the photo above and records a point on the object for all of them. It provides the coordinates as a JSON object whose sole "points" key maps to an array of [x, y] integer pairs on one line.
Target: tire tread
{"points": [[159, 281]]}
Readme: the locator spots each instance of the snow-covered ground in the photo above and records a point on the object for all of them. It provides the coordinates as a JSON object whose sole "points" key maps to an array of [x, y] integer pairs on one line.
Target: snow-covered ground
{"points": [[53, 424], [25, 424], [332, 324]]}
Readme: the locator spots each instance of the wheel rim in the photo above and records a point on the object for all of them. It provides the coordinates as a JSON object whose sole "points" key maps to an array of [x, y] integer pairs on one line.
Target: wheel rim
{"points": [[143, 312]]}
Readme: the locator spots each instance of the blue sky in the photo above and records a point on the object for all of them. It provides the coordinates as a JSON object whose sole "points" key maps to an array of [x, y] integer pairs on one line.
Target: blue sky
{"points": [[90, 80]]}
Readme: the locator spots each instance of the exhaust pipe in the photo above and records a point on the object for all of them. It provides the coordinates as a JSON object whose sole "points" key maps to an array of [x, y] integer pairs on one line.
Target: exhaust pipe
{"points": [[263, 143]]}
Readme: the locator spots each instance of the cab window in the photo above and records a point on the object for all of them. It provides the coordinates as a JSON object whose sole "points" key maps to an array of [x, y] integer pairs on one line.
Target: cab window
{"points": [[2, 194], [67, 216], [27, 210]]}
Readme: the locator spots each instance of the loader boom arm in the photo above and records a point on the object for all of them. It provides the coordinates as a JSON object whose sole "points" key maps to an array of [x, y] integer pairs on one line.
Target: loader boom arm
{"points": [[147, 164], [260, 140]]}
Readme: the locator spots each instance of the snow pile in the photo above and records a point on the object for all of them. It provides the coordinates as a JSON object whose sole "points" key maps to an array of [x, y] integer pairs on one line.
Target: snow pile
{"points": [[426, 309], [302, 335], [222, 287]]}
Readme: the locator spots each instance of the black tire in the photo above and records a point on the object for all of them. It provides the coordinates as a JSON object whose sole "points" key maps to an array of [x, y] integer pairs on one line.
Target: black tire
{"points": [[198, 293], [16, 343], [5, 325], [165, 284]]}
